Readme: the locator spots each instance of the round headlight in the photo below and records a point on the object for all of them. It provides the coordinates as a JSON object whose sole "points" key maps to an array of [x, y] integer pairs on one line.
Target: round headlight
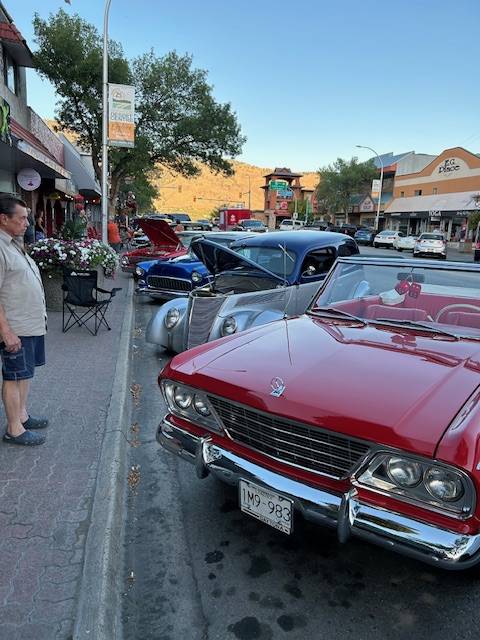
{"points": [[139, 271], [172, 318], [124, 260], [404, 473], [229, 326], [201, 406], [196, 277], [443, 484], [183, 399]]}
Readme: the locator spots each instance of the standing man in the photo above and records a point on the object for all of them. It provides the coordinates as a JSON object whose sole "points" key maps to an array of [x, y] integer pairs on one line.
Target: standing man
{"points": [[114, 239], [22, 323]]}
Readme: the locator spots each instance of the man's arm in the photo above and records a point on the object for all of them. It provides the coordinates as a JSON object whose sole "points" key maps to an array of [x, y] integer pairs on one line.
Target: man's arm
{"points": [[11, 340]]}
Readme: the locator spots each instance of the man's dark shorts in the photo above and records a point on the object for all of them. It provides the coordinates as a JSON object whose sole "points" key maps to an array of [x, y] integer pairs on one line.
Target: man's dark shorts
{"points": [[21, 364]]}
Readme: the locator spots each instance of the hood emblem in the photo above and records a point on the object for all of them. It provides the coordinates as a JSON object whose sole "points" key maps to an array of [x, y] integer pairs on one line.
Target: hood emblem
{"points": [[278, 387]]}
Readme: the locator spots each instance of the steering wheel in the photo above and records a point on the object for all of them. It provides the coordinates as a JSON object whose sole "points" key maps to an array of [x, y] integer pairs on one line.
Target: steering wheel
{"points": [[456, 307]]}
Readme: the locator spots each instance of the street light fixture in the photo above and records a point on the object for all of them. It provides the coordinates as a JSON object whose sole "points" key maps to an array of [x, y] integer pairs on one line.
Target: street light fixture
{"points": [[377, 217]]}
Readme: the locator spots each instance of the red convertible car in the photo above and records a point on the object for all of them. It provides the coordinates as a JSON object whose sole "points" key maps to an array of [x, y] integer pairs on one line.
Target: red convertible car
{"points": [[165, 244], [362, 414]]}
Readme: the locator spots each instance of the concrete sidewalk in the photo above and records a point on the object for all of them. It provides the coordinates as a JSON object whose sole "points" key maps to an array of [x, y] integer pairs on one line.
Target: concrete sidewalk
{"points": [[47, 493]]}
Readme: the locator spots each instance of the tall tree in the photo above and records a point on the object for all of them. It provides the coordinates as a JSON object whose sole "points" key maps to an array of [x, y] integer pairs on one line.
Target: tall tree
{"points": [[179, 125], [342, 180]]}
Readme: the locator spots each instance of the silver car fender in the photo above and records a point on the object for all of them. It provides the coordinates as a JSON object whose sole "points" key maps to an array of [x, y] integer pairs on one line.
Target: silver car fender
{"points": [[157, 332]]}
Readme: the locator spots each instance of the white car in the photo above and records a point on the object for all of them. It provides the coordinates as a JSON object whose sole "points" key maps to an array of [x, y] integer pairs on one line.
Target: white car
{"points": [[386, 238], [291, 225], [431, 244], [405, 243]]}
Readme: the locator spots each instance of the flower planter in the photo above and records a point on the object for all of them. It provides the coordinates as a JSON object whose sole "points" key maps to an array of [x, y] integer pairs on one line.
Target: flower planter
{"points": [[53, 291]]}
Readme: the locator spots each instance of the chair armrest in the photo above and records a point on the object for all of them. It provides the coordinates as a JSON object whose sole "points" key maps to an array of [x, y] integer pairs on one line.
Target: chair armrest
{"points": [[111, 292]]}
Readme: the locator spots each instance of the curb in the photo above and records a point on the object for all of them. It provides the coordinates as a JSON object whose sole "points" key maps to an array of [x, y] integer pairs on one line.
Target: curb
{"points": [[98, 613]]}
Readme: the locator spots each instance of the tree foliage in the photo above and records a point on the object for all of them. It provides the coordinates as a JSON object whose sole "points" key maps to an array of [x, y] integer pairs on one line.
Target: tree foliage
{"points": [[474, 220], [178, 122], [342, 180]]}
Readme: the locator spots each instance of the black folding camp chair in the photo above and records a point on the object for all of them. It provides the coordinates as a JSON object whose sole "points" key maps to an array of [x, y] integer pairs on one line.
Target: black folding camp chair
{"points": [[82, 301]]}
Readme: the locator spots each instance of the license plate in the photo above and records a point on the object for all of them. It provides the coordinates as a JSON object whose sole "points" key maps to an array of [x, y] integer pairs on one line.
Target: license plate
{"points": [[267, 506]]}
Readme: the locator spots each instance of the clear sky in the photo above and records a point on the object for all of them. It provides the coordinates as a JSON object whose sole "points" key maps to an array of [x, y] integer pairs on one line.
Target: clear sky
{"points": [[309, 79]]}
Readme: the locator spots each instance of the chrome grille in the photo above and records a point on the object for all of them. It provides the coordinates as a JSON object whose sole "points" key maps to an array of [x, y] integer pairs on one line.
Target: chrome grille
{"points": [[170, 284], [203, 312], [297, 444]]}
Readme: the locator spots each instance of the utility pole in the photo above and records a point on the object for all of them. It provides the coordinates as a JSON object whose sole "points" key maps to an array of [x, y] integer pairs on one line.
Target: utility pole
{"points": [[105, 125], [377, 217]]}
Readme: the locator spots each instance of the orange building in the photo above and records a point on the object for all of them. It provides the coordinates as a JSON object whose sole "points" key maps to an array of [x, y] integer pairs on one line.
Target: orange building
{"points": [[440, 196]]}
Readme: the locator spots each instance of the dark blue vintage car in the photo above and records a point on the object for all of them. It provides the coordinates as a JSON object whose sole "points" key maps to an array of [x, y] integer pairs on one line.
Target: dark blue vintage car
{"points": [[175, 278], [257, 280]]}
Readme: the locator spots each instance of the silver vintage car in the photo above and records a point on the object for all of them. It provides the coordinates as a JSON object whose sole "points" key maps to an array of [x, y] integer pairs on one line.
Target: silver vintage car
{"points": [[256, 281]]}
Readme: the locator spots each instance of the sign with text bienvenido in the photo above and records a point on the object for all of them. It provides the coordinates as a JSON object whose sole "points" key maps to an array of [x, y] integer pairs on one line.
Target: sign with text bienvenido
{"points": [[121, 115]]}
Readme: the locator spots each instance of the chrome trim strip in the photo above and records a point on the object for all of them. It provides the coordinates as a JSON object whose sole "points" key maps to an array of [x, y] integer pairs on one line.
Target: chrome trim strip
{"points": [[345, 512]]}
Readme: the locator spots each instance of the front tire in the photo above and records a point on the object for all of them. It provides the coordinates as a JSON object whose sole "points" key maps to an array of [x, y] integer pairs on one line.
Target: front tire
{"points": [[399, 250], [375, 245]]}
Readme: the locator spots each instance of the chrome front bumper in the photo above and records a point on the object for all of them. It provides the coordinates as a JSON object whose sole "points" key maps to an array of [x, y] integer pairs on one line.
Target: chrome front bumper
{"points": [[344, 512], [161, 294]]}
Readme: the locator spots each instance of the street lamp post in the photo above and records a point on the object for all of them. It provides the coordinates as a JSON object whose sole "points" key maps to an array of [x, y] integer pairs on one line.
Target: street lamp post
{"points": [[105, 124], [377, 217]]}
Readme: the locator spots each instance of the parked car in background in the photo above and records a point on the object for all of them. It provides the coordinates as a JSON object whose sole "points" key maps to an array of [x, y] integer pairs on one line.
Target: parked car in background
{"points": [[405, 243], [431, 244], [179, 218], [348, 229], [250, 225], [163, 243], [364, 236], [386, 238], [202, 224], [290, 225], [175, 278], [266, 410], [256, 281]]}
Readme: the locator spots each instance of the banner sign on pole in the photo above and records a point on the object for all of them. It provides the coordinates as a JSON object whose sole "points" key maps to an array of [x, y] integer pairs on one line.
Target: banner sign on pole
{"points": [[121, 115], [375, 188]]}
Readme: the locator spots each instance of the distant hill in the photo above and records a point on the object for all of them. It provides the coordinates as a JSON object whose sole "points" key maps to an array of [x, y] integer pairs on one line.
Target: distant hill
{"points": [[177, 193]]}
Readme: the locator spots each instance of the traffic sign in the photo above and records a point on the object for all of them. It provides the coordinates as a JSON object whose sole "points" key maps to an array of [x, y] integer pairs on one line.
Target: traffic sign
{"points": [[284, 193], [274, 185]]}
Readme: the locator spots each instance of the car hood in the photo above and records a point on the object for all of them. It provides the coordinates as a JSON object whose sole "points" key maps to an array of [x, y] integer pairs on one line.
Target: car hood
{"points": [[160, 233], [219, 259], [378, 384]]}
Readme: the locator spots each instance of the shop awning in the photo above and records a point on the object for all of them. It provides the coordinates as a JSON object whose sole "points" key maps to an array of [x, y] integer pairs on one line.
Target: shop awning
{"points": [[82, 174], [462, 201]]}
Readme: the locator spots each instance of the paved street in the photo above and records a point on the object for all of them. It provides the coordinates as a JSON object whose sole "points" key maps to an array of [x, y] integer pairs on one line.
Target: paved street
{"points": [[46, 492], [197, 568]]}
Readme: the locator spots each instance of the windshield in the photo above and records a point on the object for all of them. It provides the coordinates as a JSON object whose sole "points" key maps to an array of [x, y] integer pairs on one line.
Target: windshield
{"points": [[287, 222], [387, 232], [252, 223], [443, 299], [275, 259], [431, 236]]}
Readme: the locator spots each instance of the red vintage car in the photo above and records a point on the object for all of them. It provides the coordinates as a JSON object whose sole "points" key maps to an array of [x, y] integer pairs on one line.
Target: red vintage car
{"points": [[165, 244], [362, 414]]}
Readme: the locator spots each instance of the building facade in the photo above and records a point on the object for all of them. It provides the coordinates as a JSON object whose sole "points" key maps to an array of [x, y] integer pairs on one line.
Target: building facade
{"points": [[282, 189], [440, 196]]}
